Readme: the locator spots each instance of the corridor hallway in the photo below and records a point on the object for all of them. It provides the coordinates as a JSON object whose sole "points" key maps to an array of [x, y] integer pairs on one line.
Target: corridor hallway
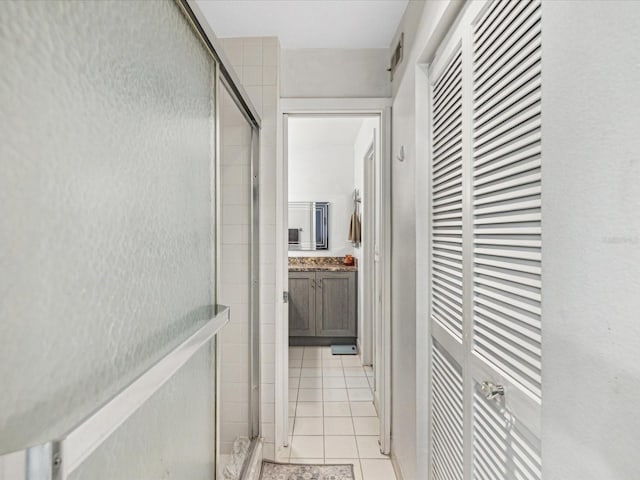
{"points": [[143, 239], [332, 418]]}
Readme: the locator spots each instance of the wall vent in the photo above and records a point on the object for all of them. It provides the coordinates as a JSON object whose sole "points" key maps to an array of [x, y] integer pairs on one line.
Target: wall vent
{"points": [[396, 57]]}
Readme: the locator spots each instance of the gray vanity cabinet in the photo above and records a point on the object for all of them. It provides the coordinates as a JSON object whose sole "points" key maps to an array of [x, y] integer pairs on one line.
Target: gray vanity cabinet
{"points": [[336, 304], [322, 304], [302, 304]]}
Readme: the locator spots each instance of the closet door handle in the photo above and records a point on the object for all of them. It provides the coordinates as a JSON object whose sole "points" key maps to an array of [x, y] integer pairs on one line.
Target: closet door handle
{"points": [[313, 284], [491, 390]]}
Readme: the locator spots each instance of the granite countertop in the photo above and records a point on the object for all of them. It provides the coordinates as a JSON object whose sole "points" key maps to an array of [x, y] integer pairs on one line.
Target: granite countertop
{"points": [[323, 264], [323, 268]]}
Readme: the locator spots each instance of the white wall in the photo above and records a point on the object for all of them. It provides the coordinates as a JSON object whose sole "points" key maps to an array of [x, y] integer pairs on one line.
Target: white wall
{"points": [[409, 447], [256, 63], [335, 73], [106, 222], [591, 240], [323, 172], [403, 291], [403, 268]]}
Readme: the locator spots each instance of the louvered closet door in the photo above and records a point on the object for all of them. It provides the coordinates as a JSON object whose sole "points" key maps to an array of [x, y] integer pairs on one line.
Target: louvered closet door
{"points": [[506, 330], [486, 245]]}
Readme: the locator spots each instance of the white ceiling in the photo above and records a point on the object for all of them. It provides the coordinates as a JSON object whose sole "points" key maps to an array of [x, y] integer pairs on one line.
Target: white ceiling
{"points": [[314, 131], [308, 23]]}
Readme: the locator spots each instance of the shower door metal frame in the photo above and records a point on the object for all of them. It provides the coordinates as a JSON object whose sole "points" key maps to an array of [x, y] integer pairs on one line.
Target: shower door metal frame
{"points": [[254, 254], [227, 78]]}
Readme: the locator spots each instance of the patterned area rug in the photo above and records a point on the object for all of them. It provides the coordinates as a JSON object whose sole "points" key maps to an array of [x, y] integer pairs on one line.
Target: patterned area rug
{"points": [[292, 471]]}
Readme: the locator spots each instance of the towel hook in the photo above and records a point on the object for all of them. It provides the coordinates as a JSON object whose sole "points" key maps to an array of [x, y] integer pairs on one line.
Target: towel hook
{"points": [[401, 154], [356, 200]]}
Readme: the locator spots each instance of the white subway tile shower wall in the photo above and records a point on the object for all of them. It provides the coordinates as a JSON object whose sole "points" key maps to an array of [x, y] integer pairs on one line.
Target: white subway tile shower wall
{"points": [[235, 182], [256, 61]]}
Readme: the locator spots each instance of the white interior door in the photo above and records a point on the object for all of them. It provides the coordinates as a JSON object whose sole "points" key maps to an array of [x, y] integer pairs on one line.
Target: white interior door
{"points": [[367, 265], [382, 261], [485, 246]]}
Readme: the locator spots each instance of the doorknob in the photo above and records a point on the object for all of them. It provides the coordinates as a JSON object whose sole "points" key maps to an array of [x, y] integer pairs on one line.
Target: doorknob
{"points": [[491, 390]]}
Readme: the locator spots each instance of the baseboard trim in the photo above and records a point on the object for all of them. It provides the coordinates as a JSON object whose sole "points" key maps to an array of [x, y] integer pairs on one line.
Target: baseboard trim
{"points": [[320, 341]]}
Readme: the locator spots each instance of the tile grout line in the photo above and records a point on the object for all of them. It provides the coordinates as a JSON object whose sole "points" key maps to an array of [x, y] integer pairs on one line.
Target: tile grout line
{"points": [[324, 437], [353, 424], [324, 452], [325, 358]]}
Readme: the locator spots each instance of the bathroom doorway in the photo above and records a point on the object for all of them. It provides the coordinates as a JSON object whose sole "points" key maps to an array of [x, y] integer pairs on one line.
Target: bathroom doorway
{"points": [[333, 160]]}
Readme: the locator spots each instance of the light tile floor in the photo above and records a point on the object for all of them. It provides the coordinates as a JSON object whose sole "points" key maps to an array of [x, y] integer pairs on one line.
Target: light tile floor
{"points": [[331, 414]]}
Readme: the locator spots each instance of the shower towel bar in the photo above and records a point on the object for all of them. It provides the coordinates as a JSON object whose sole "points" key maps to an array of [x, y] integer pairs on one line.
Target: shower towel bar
{"points": [[56, 459]]}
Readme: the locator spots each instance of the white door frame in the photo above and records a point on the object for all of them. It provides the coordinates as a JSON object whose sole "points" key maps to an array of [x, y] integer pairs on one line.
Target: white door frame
{"points": [[380, 107]]}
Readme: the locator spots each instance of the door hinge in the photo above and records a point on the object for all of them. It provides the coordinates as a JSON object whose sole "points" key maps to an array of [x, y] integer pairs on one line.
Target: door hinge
{"points": [[285, 297]]}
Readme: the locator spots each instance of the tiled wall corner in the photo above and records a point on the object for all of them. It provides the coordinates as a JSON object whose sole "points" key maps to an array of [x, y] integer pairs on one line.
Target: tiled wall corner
{"points": [[256, 61]]}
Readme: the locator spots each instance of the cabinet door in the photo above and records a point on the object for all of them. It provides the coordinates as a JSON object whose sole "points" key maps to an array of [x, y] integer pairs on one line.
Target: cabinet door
{"points": [[302, 304], [335, 304]]}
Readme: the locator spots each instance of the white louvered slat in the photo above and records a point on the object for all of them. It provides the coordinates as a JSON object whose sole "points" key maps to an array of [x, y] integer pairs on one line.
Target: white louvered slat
{"points": [[446, 188], [514, 39], [506, 136], [511, 115], [506, 86], [447, 409], [504, 448], [506, 332], [510, 88], [507, 150], [489, 39]]}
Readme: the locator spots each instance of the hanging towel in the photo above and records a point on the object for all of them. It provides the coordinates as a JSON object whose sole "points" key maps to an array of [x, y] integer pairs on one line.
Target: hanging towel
{"points": [[354, 229]]}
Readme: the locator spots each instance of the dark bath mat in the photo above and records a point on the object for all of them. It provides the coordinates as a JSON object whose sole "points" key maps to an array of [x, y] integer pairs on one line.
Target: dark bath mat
{"points": [[344, 350]]}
